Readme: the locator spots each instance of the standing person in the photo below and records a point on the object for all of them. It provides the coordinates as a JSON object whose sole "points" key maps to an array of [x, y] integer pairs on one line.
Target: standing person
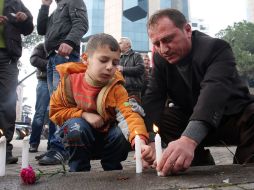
{"points": [[15, 19], [63, 31], [39, 60], [90, 103], [132, 68], [209, 104], [147, 74]]}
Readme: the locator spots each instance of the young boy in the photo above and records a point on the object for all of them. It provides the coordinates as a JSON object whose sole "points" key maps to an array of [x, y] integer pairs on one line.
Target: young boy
{"points": [[90, 102]]}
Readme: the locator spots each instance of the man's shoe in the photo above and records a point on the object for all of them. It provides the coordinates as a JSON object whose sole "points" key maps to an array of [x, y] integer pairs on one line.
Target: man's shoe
{"points": [[38, 157], [11, 159], [33, 148], [203, 158], [53, 157]]}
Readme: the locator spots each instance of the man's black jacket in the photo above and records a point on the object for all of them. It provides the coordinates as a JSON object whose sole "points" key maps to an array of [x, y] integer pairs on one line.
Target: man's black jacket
{"points": [[205, 85]]}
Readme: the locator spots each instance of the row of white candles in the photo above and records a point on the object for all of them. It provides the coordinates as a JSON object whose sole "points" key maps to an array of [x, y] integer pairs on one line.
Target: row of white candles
{"points": [[25, 150], [158, 150]]}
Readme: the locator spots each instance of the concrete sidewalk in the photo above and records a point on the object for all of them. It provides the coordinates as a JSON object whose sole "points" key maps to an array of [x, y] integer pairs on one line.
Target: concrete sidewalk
{"points": [[222, 176]]}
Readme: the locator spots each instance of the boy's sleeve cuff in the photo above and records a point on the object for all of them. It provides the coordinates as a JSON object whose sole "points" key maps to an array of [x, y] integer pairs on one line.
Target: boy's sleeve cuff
{"points": [[141, 137]]}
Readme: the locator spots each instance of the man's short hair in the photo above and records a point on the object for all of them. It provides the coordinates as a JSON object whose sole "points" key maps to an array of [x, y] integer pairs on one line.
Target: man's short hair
{"points": [[127, 40], [100, 40], [174, 15]]}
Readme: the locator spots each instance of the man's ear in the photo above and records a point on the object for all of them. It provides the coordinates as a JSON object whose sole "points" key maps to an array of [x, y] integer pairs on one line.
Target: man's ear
{"points": [[187, 29]]}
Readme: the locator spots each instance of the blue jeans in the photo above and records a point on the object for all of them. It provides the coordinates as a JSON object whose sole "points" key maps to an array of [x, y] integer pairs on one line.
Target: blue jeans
{"points": [[85, 143], [53, 79], [42, 101]]}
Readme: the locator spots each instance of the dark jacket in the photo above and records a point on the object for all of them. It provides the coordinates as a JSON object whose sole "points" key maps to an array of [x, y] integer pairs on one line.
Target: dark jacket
{"points": [[133, 70], [14, 29], [205, 85], [39, 60], [68, 23]]}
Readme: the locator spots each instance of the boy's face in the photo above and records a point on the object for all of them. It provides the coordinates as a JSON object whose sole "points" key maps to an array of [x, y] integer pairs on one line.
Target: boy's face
{"points": [[102, 64]]}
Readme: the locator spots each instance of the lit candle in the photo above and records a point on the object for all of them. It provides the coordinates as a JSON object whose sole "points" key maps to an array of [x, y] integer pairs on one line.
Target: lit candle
{"points": [[138, 154], [25, 151], [2, 154], [158, 149]]}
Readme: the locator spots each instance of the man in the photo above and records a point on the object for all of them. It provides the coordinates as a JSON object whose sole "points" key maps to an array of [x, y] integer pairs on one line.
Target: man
{"points": [[209, 102], [63, 31], [39, 60], [132, 67], [15, 19], [148, 70]]}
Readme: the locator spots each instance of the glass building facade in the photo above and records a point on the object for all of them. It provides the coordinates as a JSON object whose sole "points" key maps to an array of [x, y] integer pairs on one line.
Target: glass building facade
{"points": [[131, 21], [95, 11]]}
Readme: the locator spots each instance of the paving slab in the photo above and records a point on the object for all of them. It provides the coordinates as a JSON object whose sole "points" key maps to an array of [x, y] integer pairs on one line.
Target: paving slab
{"points": [[228, 177], [222, 176]]}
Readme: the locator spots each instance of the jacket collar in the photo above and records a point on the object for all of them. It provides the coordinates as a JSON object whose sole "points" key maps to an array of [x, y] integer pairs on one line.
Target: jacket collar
{"points": [[130, 51]]}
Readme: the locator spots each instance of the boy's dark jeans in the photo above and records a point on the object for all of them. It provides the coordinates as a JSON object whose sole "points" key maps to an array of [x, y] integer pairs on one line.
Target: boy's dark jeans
{"points": [[85, 143]]}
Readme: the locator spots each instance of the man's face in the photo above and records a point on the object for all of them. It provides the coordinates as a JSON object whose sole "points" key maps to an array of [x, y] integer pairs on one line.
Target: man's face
{"points": [[102, 64], [169, 41], [124, 45], [146, 61]]}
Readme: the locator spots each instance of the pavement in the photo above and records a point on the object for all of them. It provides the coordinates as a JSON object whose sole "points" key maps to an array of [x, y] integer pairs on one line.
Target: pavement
{"points": [[222, 176]]}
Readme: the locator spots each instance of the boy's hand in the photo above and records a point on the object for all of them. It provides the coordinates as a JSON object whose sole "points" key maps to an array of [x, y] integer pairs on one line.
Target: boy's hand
{"points": [[93, 119], [147, 154]]}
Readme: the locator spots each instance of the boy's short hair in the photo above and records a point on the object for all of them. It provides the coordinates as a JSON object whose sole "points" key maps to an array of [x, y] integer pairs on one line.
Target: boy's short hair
{"points": [[100, 40]]}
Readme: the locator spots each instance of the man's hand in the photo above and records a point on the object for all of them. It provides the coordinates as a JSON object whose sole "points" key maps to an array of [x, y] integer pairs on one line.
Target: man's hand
{"points": [[93, 119], [3, 19], [21, 17], [46, 2], [64, 50], [177, 156]]}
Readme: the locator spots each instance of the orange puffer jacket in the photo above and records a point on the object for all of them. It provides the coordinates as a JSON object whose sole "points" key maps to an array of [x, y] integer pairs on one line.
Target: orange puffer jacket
{"points": [[113, 98]]}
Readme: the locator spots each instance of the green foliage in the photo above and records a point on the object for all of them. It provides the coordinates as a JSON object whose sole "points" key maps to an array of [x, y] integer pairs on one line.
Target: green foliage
{"points": [[241, 38], [31, 40]]}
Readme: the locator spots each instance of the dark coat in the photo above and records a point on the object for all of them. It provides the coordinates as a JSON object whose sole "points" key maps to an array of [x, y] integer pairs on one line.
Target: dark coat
{"points": [[67, 24], [133, 70], [39, 60], [205, 85], [14, 29]]}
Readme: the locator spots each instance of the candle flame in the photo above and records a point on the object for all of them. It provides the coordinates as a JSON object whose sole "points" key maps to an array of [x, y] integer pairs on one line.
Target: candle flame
{"points": [[155, 128], [1, 132]]}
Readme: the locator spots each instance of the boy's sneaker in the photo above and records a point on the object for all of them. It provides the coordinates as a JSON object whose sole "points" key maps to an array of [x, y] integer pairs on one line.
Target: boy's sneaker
{"points": [[53, 157]]}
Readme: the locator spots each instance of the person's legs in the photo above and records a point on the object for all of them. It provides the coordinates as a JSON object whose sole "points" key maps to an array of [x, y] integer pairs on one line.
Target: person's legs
{"points": [[53, 78], [80, 142], [239, 130], [115, 149], [42, 101], [8, 98]]}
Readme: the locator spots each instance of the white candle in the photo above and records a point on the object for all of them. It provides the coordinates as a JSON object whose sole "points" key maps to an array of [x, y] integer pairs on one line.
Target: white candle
{"points": [[2, 155], [138, 154], [25, 151], [158, 149]]}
